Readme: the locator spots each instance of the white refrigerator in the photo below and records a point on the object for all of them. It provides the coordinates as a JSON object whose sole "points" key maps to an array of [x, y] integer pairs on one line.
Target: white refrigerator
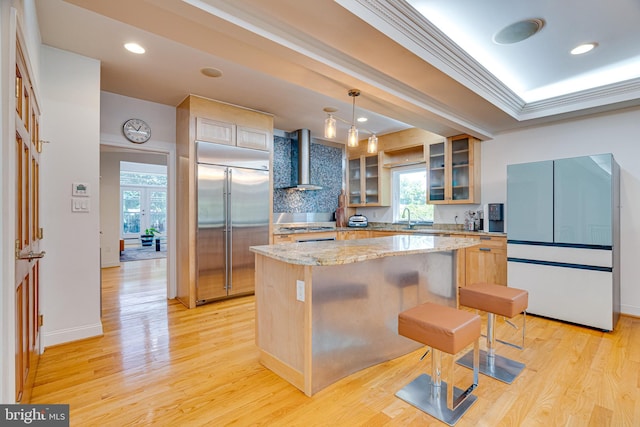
{"points": [[563, 238]]}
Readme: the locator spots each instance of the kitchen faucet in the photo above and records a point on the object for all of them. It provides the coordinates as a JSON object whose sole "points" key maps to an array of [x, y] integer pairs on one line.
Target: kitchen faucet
{"points": [[408, 212]]}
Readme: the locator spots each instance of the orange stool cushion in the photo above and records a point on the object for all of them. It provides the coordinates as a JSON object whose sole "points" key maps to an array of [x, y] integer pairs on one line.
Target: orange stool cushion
{"points": [[497, 299], [443, 328]]}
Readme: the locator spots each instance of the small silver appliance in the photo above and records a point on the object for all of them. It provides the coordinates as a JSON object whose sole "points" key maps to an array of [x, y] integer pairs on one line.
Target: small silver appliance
{"points": [[358, 221]]}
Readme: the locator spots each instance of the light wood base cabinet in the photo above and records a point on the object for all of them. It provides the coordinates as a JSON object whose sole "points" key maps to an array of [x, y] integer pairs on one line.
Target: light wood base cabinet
{"points": [[354, 234], [486, 262]]}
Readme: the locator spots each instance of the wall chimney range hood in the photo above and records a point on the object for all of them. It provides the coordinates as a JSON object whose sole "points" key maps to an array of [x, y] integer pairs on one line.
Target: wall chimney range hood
{"points": [[304, 162]]}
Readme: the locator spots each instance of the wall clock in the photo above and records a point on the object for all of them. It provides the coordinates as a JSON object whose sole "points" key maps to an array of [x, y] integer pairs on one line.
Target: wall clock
{"points": [[136, 131]]}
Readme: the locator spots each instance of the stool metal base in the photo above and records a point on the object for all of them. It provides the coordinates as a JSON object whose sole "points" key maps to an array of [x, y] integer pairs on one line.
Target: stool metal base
{"points": [[419, 393], [503, 369]]}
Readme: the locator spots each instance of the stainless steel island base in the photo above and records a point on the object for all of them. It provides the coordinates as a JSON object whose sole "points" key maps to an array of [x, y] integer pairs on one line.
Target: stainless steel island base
{"points": [[316, 324]]}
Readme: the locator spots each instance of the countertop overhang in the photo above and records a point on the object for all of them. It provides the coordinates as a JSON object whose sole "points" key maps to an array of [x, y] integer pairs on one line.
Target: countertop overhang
{"points": [[338, 252]]}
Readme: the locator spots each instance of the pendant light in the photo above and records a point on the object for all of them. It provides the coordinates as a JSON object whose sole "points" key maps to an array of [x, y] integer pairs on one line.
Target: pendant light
{"points": [[352, 138], [372, 145], [330, 123], [330, 128]]}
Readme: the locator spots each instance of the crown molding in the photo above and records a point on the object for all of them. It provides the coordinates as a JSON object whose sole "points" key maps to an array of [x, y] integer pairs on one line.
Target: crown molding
{"points": [[591, 98], [402, 23]]}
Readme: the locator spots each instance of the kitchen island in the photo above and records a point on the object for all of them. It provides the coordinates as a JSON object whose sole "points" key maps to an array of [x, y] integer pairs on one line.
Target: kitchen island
{"points": [[327, 309]]}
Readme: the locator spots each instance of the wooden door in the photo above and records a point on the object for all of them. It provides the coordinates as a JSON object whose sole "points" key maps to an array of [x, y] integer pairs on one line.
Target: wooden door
{"points": [[28, 232]]}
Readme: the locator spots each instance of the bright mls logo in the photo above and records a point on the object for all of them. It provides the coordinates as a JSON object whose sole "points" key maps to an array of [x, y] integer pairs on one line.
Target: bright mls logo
{"points": [[34, 415]]}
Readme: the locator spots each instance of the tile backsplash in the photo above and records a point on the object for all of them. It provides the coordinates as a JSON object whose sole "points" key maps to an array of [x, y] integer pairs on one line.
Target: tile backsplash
{"points": [[325, 171]]}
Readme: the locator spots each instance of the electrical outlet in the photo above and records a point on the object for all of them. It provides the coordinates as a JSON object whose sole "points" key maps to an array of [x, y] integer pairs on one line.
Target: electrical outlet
{"points": [[300, 290]]}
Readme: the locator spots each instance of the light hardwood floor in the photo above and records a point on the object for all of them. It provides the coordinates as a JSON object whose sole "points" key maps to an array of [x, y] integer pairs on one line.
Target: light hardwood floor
{"points": [[159, 363]]}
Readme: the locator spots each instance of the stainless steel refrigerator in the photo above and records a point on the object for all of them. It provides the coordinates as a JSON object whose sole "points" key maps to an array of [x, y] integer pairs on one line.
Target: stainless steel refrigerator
{"points": [[233, 214]]}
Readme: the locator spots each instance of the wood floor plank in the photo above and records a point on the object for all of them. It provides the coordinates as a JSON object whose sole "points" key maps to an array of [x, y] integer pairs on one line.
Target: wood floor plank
{"points": [[159, 363]]}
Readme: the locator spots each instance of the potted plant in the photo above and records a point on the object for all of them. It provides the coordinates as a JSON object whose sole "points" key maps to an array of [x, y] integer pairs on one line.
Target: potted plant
{"points": [[147, 238]]}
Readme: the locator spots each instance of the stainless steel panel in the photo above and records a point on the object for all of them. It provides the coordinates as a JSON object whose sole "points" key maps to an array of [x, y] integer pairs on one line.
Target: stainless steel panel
{"points": [[228, 155], [249, 225], [233, 214], [355, 309], [210, 238]]}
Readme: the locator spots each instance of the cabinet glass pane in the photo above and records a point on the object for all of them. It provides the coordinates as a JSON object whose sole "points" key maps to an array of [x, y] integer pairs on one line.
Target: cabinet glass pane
{"points": [[354, 182], [583, 200], [460, 169], [530, 201], [371, 179], [436, 171]]}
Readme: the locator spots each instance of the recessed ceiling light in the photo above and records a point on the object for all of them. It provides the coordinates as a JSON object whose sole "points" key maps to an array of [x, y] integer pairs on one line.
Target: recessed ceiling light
{"points": [[211, 72], [518, 31], [583, 48], [134, 48], [362, 119]]}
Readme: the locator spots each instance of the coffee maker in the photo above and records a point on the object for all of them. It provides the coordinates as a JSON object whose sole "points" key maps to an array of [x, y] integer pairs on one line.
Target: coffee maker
{"points": [[496, 217]]}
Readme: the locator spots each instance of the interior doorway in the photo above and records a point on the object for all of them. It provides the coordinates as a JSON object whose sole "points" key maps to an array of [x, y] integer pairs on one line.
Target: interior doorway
{"points": [[159, 207]]}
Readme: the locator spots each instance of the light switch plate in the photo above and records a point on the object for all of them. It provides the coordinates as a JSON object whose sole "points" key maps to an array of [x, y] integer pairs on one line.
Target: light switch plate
{"points": [[80, 204], [300, 290]]}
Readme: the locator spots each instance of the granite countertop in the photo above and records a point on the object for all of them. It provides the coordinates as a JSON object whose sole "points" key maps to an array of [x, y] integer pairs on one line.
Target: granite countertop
{"points": [[422, 229], [339, 252], [315, 227]]}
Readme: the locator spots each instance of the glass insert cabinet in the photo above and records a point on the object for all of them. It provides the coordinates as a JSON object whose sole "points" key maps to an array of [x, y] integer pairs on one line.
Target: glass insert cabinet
{"points": [[454, 171], [368, 181]]}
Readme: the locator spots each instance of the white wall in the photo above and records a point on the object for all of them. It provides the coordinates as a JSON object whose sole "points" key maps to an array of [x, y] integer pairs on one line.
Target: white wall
{"points": [[115, 110], [110, 199], [615, 133], [70, 279]]}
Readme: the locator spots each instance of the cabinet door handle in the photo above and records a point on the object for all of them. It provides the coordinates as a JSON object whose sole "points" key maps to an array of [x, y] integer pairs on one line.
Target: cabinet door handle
{"points": [[485, 249], [485, 238]]}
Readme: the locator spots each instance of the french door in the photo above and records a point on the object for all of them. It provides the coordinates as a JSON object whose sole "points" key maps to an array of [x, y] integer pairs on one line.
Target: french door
{"points": [[27, 230], [142, 208]]}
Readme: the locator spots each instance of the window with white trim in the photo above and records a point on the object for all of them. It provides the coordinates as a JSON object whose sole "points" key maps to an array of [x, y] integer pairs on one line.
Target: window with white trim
{"points": [[410, 191]]}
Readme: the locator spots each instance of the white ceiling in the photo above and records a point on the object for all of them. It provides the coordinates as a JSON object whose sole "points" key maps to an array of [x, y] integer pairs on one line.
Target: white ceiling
{"points": [[292, 58]]}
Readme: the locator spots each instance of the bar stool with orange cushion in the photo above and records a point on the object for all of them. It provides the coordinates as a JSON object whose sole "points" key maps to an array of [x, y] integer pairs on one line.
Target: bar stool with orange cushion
{"points": [[495, 300], [443, 329]]}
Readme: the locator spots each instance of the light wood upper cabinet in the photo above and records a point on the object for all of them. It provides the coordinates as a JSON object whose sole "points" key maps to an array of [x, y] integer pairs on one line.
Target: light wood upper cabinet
{"points": [[214, 131], [258, 139], [228, 133], [403, 156], [454, 171], [368, 181]]}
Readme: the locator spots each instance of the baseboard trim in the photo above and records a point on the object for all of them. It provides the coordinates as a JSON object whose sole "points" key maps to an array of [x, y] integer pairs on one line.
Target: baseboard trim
{"points": [[63, 336], [630, 310], [111, 264]]}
